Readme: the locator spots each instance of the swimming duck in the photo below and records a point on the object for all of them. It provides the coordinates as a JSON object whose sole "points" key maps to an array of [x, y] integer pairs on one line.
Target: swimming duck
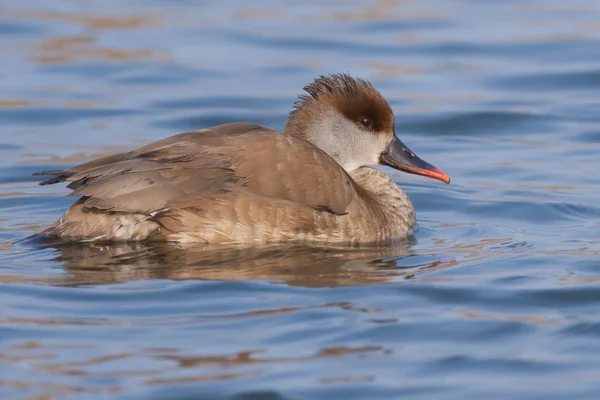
{"points": [[245, 183]]}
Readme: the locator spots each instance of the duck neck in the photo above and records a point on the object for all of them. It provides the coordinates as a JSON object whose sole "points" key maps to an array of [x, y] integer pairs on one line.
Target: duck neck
{"points": [[391, 198]]}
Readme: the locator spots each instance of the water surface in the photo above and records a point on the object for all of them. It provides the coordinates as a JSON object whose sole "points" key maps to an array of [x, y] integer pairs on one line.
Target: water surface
{"points": [[497, 294]]}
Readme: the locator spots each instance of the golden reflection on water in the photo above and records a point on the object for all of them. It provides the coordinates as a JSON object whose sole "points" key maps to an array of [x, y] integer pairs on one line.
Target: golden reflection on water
{"points": [[50, 389], [71, 49], [84, 46], [7, 103], [197, 368], [396, 10], [94, 21], [384, 70], [260, 13], [530, 319]]}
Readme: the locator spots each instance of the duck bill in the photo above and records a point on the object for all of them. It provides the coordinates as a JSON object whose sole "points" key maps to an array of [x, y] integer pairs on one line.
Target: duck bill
{"points": [[399, 157]]}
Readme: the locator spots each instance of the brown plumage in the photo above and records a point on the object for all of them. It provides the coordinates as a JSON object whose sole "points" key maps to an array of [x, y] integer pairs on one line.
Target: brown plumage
{"points": [[245, 183]]}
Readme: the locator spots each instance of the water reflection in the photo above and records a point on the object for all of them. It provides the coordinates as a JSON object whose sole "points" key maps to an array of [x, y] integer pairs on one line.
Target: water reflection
{"points": [[297, 265]]}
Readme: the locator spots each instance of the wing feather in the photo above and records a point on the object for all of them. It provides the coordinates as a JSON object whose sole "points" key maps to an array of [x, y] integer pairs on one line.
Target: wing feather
{"points": [[226, 159]]}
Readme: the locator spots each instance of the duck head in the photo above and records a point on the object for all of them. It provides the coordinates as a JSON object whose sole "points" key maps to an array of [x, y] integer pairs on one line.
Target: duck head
{"points": [[352, 122]]}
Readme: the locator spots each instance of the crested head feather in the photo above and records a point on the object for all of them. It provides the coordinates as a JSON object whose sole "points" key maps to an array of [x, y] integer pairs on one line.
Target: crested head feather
{"points": [[354, 98]]}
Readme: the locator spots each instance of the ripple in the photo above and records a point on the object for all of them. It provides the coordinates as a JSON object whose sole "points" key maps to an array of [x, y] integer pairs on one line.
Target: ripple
{"points": [[191, 122], [86, 69], [340, 46], [584, 328], [164, 74], [38, 116], [24, 173], [491, 366], [10, 147], [534, 212], [556, 81], [483, 123], [220, 102], [593, 136], [399, 25], [20, 29]]}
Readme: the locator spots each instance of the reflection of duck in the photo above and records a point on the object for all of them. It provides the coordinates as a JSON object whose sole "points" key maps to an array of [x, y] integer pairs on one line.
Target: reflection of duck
{"points": [[298, 265], [245, 183]]}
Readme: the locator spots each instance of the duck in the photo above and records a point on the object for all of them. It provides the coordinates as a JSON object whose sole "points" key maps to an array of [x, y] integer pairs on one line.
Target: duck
{"points": [[317, 181]]}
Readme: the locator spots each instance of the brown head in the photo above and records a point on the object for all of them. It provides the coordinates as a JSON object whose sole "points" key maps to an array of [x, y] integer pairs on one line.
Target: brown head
{"points": [[352, 122]]}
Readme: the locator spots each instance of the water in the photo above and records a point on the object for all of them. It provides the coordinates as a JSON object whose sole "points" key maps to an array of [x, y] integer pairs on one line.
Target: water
{"points": [[496, 295]]}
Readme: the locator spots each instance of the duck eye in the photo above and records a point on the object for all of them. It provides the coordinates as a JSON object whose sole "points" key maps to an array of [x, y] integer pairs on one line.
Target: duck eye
{"points": [[365, 121]]}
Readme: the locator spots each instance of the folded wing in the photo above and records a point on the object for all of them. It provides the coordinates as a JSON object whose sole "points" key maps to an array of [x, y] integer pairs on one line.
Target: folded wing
{"points": [[227, 160]]}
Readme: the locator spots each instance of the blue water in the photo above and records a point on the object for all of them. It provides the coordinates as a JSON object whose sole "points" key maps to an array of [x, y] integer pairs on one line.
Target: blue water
{"points": [[497, 295]]}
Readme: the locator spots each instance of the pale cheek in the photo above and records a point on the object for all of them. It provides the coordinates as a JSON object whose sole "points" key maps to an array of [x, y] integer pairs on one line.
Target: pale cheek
{"points": [[369, 148], [381, 146]]}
